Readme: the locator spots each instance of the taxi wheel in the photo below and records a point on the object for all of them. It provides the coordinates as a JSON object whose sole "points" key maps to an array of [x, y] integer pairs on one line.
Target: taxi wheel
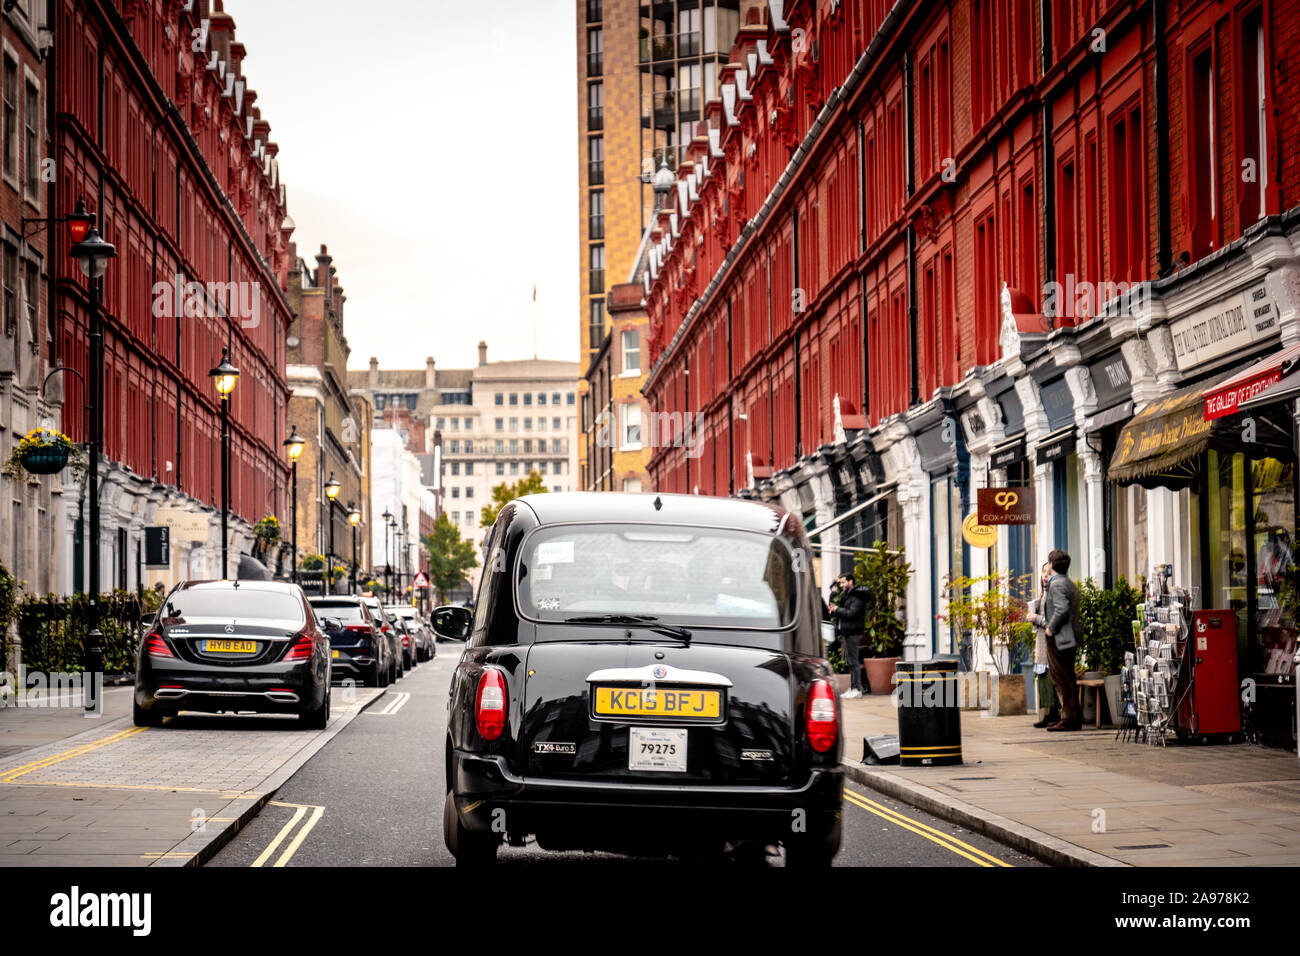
{"points": [[816, 848], [469, 848]]}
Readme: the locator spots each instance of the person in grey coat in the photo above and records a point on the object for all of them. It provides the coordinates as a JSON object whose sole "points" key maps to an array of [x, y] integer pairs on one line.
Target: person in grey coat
{"points": [[1062, 629]]}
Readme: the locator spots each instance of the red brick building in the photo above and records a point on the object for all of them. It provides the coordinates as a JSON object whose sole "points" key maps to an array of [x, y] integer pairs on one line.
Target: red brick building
{"points": [[158, 130], [934, 216]]}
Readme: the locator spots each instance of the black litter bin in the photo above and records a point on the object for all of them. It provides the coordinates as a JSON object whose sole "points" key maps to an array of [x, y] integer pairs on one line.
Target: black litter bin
{"points": [[929, 718]]}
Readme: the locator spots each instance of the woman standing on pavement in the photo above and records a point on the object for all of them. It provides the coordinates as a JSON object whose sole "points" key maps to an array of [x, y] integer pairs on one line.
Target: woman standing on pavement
{"points": [[1045, 690]]}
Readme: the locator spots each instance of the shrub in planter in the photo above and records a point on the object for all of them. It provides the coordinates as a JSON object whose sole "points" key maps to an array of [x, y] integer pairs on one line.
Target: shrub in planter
{"points": [[993, 609], [1105, 617], [884, 574]]}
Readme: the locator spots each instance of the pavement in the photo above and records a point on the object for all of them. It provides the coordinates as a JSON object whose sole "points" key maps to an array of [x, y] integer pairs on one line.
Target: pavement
{"points": [[97, 791], [1085, 799]]}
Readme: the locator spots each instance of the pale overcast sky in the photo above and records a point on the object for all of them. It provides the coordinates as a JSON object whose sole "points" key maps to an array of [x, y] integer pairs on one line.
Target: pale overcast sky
{"points": [[431, 145]]}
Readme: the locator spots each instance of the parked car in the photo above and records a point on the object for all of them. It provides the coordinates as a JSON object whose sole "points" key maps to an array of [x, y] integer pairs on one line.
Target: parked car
{"points": [[644, 675], [410, 641], [425, 643], [390, 631], [234, 646], [359, 648]]}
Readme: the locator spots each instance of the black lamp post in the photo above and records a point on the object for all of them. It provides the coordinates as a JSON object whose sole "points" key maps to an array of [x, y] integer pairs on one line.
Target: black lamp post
{"points": [[354, 519], [93, 253], [294, 443], [331, 492], [224, 377], [388, 565]]}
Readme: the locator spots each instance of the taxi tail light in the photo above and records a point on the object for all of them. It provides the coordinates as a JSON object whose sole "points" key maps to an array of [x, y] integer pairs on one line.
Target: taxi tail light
{"points": [[301, 649], [490, 703], [155, 646], [822, 718]]}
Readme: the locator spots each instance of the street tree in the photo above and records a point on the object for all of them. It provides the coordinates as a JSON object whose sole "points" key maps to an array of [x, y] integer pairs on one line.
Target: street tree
{"points": [[450, 556], [507, 492]]}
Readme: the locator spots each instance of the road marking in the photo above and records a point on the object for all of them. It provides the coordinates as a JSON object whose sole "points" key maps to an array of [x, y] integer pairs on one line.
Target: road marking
{"points": [[292, 848], [394, 705], [945, 840], [9, 776], [300, 811], [224, 794]]}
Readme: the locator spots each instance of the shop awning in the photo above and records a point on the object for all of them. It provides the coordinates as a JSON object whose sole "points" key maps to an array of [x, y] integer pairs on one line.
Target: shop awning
{"points": [[1161, 444], [1285, 390], [1226, 397]]}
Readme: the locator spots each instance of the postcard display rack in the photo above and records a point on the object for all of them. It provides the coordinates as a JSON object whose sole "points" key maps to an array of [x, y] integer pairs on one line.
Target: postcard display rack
{"points": [[1156, 678]]}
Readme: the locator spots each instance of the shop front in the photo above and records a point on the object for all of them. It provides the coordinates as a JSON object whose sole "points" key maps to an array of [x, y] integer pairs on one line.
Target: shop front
{"points": [[943, 456], [1056, 455], [1227, 464], [1010, 460]]}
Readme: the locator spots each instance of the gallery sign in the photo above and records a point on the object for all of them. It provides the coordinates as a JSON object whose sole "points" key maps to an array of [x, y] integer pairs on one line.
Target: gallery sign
{"points": [[1005, 505]]}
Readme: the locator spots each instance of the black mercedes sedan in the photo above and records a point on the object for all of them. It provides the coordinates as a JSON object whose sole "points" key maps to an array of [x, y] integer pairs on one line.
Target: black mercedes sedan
{"points": [[643, 674], [234, 646]]}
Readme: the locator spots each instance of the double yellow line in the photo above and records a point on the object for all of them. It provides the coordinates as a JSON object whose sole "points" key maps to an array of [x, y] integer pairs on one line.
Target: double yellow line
{"points": [[945, 840], [12, 774], [300, 811], [394, 705]]}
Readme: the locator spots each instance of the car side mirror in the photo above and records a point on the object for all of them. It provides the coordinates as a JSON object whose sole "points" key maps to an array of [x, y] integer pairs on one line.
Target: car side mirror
{"points": [[453, 622], [331, 624]]}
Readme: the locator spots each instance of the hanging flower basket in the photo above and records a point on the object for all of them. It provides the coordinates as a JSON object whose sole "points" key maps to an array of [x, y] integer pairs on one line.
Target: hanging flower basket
{"points": [[44, 451]]}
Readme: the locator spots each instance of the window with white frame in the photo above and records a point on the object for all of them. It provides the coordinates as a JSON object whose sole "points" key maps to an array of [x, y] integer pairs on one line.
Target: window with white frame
{"points": [[631, 351], [632, 426], [632, 485]]}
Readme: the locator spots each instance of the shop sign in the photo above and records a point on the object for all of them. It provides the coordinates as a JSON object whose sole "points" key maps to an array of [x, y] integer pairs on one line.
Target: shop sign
{"points": [[1111, 380], [1228, 325], [157, 547], [1058, 402], [184, 525], [1055, 451], [978, 535], [1008, 456], [1005, 505]]}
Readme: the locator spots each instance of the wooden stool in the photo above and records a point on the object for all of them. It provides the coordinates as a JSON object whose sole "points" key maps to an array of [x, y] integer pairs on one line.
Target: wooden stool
{"points": [[1098, 686]]}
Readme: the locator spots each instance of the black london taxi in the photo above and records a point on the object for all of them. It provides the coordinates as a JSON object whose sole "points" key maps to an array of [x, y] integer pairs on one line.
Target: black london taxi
{"points": [[643, 674]]}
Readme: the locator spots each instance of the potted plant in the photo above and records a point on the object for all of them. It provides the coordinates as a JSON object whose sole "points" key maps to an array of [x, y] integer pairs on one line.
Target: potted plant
{"points": [[266, 534], [991, 608], [44, 451], [884, 574], [1105, 618]]}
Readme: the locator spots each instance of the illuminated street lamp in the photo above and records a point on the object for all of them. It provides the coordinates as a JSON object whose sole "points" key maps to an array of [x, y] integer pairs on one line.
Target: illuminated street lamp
{"points": [[224, 378], [354, 519], [294, 445], [331, 492]]}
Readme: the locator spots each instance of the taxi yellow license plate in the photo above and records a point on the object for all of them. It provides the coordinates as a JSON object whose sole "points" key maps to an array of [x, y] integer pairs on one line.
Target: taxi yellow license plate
{"points": [[657, 702], [334, 654], [231, 647]]}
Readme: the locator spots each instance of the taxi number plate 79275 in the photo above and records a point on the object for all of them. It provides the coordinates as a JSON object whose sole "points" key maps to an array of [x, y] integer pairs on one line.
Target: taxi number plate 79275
{"points": [[656, 748]]}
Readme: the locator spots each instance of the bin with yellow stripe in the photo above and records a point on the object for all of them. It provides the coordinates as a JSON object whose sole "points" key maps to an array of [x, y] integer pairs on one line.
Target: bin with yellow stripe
{"points": [[929, 713]]}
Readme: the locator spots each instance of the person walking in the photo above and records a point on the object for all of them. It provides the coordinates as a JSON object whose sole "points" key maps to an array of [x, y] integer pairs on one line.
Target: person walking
{"points": [[1048, 704], [1061, 628], [849, 612]]}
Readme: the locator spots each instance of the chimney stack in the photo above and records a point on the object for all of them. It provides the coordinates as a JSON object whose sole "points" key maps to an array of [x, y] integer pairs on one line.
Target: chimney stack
{"points": [[429, 379], [482, 353], [372, 381]]}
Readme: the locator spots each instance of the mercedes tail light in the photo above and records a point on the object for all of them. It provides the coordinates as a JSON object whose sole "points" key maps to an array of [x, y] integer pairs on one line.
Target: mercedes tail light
{"points": [[823, 722], [490, 703], [301, 649], [155, 646]]}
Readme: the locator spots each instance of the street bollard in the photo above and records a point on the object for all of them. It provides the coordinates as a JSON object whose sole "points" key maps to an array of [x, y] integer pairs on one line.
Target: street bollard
{"points": [[93, 667]]}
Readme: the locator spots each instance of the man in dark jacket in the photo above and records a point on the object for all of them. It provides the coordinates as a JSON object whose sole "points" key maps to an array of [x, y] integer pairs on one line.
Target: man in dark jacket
{"points": [[850, 614], [1061, 619]]}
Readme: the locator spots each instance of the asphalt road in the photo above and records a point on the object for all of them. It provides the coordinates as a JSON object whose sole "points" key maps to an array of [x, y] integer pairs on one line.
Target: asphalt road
{"points": [[373, 797]]}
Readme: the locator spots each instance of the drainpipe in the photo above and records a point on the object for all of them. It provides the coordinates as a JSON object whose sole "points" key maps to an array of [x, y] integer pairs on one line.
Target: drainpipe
{"points": [[1161, 94], [798, 384], [909, 187], [1049, 164]]}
